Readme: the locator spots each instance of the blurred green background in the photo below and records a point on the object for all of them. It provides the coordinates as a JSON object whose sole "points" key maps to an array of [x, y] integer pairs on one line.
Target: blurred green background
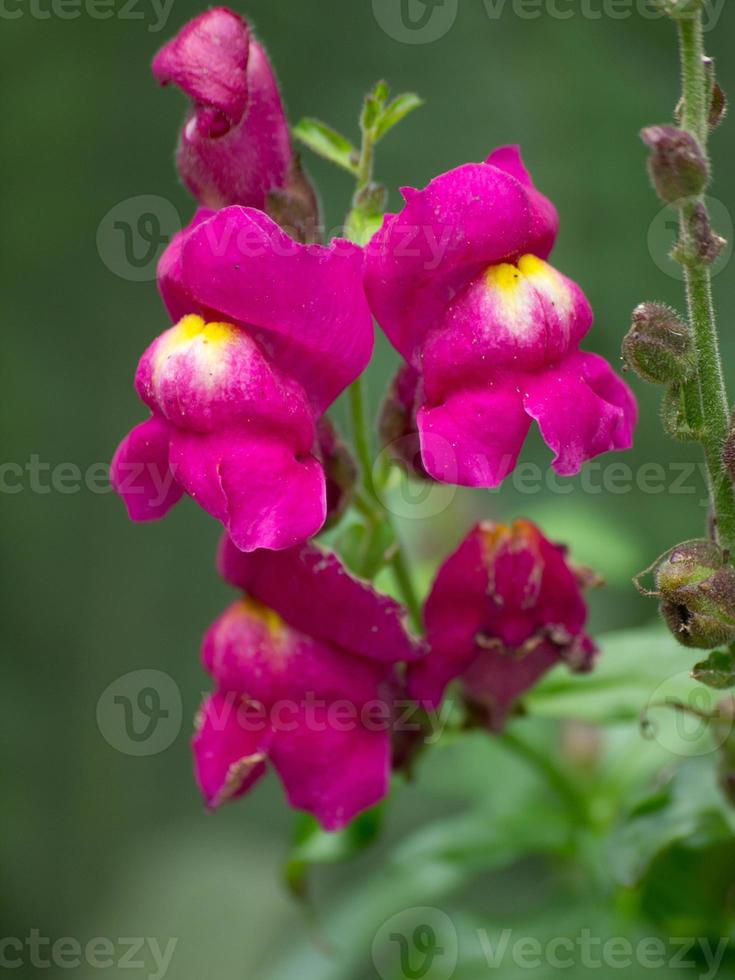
{"points": [[100, 842]]}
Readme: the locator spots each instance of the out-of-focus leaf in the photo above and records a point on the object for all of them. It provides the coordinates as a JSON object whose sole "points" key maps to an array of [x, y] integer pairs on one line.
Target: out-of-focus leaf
{"points": [[424, 871], [312, 845], [717, 671], [687, 889], [689, 808], [365, 550], [637, 670], [327, 143], [480, 841], [594, 538]]}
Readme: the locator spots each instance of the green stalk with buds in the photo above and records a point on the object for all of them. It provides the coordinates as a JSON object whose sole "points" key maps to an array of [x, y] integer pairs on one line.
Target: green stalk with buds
{"points": [[695, 580]]}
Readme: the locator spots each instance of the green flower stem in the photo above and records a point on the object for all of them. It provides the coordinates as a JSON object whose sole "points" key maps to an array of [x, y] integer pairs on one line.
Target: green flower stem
{"points": [[360, 433], [712, 393], [368, 500]]}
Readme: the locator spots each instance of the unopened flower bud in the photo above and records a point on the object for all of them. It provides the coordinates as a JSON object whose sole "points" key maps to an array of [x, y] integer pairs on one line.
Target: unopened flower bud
{"points": [[658, 346], [697, 588], [707, 243], [677, 166], [235, 146]]}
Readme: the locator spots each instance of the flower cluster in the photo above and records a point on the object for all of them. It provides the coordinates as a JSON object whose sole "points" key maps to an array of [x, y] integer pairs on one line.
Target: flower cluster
{"points": [[269, 328]]}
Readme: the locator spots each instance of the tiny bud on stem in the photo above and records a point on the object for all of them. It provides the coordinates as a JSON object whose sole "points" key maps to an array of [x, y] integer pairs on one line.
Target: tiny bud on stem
{"points": [[658, 346], [696, 585], [677, 165]]}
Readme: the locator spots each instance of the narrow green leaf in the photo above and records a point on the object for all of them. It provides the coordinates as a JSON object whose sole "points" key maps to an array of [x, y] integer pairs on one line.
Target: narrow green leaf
{"points": [[327, 142], [637, 670], [398, 109]]}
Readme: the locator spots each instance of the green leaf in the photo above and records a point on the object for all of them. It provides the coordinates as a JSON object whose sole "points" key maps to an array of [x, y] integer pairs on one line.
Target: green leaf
{"points": [[327, 143], [398, 109], [637, 671], [717, 671], [312, 845], [690, 805]]}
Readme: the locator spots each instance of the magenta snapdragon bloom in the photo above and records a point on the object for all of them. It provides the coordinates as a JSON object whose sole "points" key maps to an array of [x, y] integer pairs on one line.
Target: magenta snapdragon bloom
{"points": [[459, 283], [304, 672], [267, 334], [235, 146], [504, 608]]}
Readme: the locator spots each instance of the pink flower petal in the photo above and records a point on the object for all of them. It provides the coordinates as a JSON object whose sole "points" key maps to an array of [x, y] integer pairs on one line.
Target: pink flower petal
{"points": [[307, 705], [474, 437], [583, 409], [265, 494], [333, 774], [235, 146], [171, 285], [464, 220], [504, 608], [303, 303], [229, 757], [208, 59], [140, 472], [316, 594], [514, 317], [208, 377], [545, 220]]}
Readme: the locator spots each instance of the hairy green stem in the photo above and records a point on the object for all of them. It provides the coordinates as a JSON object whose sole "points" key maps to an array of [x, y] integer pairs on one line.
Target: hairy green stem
{"points": [[712, 393]]}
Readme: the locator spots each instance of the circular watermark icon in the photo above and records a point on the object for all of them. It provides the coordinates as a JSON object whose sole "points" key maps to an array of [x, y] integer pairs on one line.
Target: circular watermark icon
{"points": [[415, 21], [140, 713], [408, 496], [133, 235], [678, 716], [416, 943], [663, 233]]}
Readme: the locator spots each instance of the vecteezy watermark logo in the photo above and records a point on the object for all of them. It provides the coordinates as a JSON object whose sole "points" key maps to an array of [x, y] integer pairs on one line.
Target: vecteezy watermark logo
{"points": [[140, 713], [154, 12], [678, 717], [416, 943], [415, 21], [132, 236], [423, 21], [663, 233], [145, 954]]}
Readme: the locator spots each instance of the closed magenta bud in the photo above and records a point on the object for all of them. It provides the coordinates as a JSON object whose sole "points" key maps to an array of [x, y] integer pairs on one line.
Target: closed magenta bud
{"points": [[677, 166], [658, 346]]}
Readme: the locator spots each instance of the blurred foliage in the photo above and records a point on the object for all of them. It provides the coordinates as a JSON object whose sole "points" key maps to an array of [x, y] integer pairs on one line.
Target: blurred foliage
{"points": [[97, 842]]}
